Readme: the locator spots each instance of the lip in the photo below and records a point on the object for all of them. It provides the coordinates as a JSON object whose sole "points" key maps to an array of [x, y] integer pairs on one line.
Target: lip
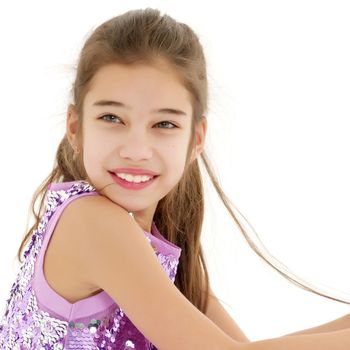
{"points": [[130, 185], [134, 171]]}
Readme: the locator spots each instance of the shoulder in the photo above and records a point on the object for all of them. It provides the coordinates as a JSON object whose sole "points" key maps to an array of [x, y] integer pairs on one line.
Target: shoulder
{"points": [[92, 212], [85, 227], [114, 255], [93, 203], [87, 213], [96, 226], [92, 218]]}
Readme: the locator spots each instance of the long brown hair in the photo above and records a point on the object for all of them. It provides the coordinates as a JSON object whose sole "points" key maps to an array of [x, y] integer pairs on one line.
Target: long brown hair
{"points": [[143, 36]]}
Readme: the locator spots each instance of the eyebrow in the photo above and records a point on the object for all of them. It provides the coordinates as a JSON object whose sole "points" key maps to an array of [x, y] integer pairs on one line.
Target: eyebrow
{"points": [[119, 104]]}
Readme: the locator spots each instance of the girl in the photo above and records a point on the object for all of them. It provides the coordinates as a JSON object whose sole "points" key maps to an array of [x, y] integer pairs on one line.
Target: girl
{"points": [[114, 260]]}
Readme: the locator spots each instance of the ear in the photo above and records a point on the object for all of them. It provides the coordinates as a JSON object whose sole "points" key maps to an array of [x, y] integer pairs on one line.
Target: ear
{"points": [[200, 135], [72, 125]]}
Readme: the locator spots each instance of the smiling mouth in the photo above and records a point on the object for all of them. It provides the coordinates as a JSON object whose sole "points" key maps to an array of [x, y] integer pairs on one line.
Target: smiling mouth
{"points": [[129, 185], [151, 177]]}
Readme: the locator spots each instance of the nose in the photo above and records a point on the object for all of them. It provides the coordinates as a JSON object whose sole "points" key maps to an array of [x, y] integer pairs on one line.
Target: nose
{"points": [[135, 147]]}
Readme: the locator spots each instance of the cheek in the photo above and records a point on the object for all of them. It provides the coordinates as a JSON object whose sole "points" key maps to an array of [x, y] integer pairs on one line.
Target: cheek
{"points": [[173, 151], [96, 141], [94, 153], [175, 155]]}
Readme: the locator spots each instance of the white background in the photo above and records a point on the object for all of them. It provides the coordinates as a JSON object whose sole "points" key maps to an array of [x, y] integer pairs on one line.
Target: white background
{"points": [[279, 112]]}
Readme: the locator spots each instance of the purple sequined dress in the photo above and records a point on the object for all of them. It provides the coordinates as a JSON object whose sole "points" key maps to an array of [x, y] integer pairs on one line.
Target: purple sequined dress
{"points": [[36, 317]]}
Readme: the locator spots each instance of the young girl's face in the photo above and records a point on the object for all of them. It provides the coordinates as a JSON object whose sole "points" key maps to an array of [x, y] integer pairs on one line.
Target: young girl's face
{"points": [[139, 130]]}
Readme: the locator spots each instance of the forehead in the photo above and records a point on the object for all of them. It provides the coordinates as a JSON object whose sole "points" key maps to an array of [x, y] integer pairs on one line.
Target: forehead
{"points": [[140, 86]]}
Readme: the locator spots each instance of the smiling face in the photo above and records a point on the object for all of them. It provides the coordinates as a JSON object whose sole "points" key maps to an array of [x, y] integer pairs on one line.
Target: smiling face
{"points": [[148, 127]]}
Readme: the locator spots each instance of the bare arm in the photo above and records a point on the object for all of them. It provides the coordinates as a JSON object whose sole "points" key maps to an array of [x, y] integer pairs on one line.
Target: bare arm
{"points": [[296, 342], [337, 340], [217, 313], [338, 324], [222, 318], [114, 255], [103, 234]]}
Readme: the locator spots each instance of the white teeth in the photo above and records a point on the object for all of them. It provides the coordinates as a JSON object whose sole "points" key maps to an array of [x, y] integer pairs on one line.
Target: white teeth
{"points": [[132, 178]]}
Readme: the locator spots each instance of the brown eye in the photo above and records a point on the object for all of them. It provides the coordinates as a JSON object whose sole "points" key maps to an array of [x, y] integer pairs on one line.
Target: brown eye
{"points": [[109, 115], [167, 123], [164, 124]]}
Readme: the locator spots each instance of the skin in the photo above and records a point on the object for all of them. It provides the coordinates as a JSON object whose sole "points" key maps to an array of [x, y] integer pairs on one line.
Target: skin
{"points": [[132, 137], [135, 141]]}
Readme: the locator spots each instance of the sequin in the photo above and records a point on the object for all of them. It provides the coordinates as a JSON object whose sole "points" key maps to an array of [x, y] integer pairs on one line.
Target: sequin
{"points": [[25, 326]]}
